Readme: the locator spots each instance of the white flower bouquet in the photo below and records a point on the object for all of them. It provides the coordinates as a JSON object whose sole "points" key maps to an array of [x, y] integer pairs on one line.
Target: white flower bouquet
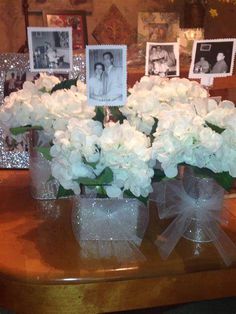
{"points": [[34, 114], [116, 159], [149, 97], [202, 135], [46, 104]]}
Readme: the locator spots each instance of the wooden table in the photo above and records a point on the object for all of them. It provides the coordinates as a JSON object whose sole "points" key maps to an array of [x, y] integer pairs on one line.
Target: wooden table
{"points": [[43, 271]]}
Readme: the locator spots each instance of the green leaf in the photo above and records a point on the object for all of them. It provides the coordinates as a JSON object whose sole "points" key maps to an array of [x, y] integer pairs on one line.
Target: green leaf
{"points": [[99, 114], [63, 192], [142, 199], [202, 172], [104, 178], [116, 114], [64, 85], [158, 175], [101, 192], [224, 179], [45, 151], [43, 90], [215, 128], [91, 164], [22, 129], [154, 127]]}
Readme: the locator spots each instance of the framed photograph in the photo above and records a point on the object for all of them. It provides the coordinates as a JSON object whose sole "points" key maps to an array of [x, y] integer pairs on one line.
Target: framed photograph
{"points": [[52, 50], [74, 19], [212, 57], [205, 47], [14, 154], [158, 27], [106, 75], [162, 59]]}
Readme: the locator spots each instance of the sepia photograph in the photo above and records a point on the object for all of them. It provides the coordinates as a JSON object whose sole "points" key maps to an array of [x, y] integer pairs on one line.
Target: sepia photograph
{"points": [[50, 49], [162, 59], [106, 75], [158, 27], [212, 57]]}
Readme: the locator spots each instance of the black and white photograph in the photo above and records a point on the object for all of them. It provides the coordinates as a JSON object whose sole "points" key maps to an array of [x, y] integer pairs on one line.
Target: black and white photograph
{"points": [[50, 49], [162, 59], [212, 58], [106, 75], [14, 79]]}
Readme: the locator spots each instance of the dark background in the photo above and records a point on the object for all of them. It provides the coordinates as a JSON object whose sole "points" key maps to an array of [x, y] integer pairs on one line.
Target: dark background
{"points": [[216, 47]]}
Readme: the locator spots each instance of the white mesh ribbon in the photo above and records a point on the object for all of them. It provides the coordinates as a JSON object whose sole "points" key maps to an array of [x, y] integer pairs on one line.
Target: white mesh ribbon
{"points": [[203, 207], [42, 185], [109, 227]]}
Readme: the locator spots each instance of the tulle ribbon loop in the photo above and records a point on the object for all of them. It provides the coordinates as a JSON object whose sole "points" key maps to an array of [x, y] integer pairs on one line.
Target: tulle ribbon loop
{"points": [[172, 201]]}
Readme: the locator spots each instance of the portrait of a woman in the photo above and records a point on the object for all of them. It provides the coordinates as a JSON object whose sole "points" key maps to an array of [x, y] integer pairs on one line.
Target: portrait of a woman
{"points": [[96, 81]]}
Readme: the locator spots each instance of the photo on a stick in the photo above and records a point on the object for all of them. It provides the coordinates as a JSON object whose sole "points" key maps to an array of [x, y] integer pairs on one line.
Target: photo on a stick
{"points": [[106, 75], [162, 59], [50, 49], [212, 58]]}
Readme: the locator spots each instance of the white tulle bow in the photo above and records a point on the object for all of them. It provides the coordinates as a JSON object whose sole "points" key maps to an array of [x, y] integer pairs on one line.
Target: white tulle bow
{"points": [[173, 201]]}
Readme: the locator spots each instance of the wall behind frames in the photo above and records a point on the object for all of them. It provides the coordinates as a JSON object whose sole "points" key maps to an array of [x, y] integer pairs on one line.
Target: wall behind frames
{"points": [[12, 34]]}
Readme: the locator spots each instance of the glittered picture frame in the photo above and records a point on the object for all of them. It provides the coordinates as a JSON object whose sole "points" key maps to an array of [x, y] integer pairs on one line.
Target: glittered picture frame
{"points": [[12, 154]]}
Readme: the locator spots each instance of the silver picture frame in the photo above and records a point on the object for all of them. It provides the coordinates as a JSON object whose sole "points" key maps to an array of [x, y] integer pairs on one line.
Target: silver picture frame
{"points": [[18, 159]]}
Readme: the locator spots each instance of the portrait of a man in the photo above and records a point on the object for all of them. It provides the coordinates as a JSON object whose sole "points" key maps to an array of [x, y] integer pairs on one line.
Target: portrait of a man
{"points": [[220, 66]]}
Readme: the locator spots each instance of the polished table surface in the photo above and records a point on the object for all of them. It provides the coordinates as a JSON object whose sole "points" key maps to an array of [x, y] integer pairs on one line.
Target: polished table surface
{"points": [[40, 260]]}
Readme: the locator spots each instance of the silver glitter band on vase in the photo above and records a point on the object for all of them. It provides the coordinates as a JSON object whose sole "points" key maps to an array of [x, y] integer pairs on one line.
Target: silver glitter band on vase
{"points": [[106, 228], [42, 185]]}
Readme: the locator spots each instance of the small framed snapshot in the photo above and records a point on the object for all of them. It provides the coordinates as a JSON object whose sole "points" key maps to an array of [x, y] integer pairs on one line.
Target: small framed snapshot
{"points": [[74, 19], [106, 75], [158, 26], [50, 49], [162, 59], [212, 58]]}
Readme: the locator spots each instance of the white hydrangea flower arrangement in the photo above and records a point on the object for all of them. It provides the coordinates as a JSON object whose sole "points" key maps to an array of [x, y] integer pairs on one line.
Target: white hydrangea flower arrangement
{"points": [[171, 121], [202, 135], [116, 159], [149, 97], [37, 106]]}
